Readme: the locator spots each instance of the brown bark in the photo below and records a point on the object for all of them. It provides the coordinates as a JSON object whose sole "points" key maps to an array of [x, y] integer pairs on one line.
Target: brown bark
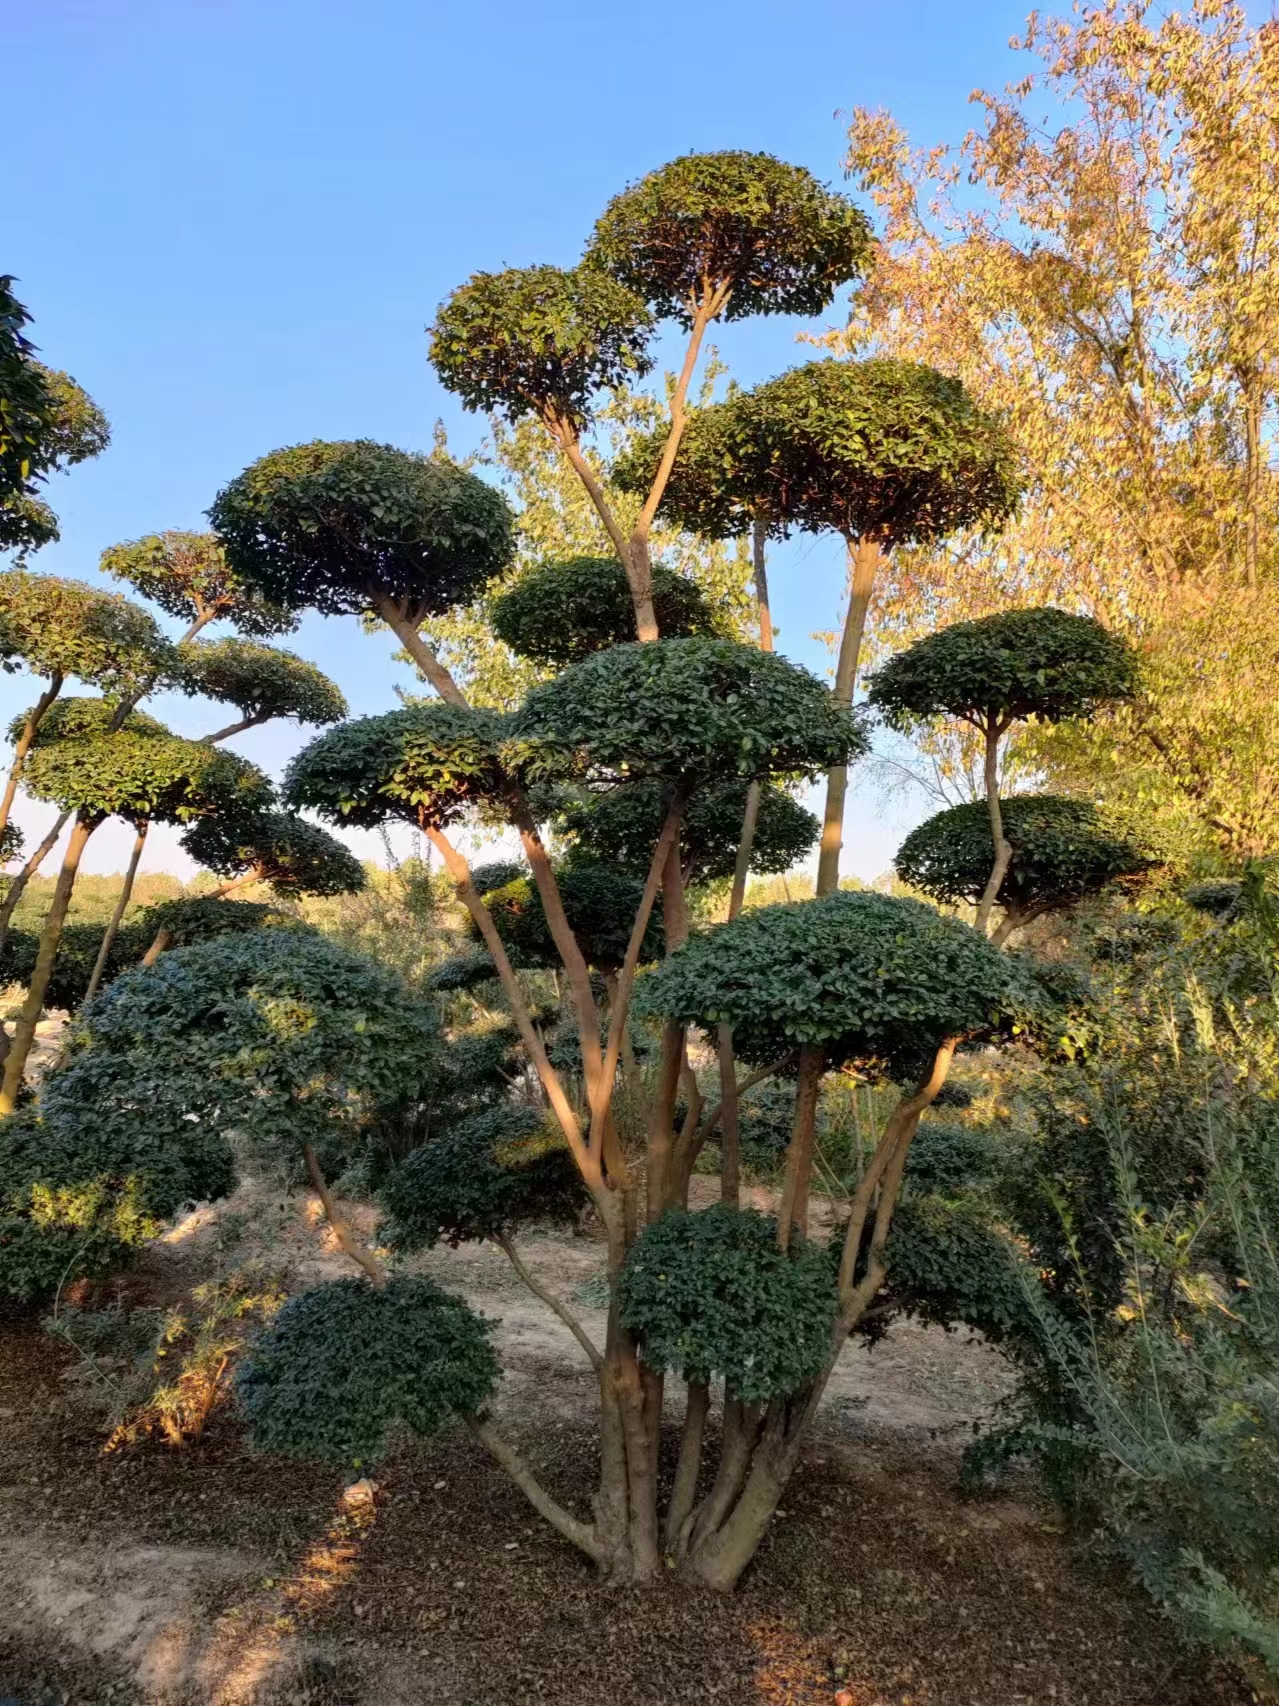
{"points": [[46, 958], [553, 1303], [865, 556], [31, 723], [579, 1534], [121, 906], [687, 1468], [1003, 851], [235, 729], [161, 944], [411, 639], [730, 1165], [799, 1154], [349, 1244], [16, 889]]}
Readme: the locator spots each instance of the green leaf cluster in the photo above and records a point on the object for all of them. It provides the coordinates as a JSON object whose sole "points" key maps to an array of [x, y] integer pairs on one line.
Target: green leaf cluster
{"points": [[260, 681], [711, 1295], [950, 1264], [139, 772], [600, 903], [1043, 663], [427, 763], [77, 955], [53, 626], [689, 711], [503, 1168], [561, 612], [333, 527], [188, 576], [280, 848], [946, 1158], [883, 449], [197, 918], [620, 825], [876, 979], [540, 340], [344, 1364], [1063, 849], [777, 239]]}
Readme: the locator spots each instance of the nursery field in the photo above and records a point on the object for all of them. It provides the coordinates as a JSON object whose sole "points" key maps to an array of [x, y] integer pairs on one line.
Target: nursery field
{"points": [[157, 1577]]}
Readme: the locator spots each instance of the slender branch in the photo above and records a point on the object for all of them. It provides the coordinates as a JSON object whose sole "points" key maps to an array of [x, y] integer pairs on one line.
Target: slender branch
{"points": [[579, 1534], [865, 556], [417, 648], [350, 1244], [552, 1302], [748, 1083], [236, 728], [161, 943], [565, 435], [121, 905], [31, 723], [688, 1466], [17, 887], [730, 1152], [1003, 851]]}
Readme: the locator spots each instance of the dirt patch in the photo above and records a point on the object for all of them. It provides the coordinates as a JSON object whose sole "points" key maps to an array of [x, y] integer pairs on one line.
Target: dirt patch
{"points": [[213, 1577]]}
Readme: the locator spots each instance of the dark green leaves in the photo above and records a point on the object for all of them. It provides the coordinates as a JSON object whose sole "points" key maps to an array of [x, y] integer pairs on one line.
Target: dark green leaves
{"points": [[560, 612], [690, 711], [1042, 663], [54, 626], [260, 681], [426, 763], [500, 1169], [1063, 849], [711, 1294], [600, 904], [772, 236], [334, 527], [188, 576], [878, 980], [540, 341], [342, 1365], [280, 848]]}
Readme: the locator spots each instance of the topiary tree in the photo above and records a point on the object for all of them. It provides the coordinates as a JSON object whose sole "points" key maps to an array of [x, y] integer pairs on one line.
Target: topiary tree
{"points": [[560, 612], [600, 904], [1043, 663], [278, 1037], [707, 237], [864, 978], [188, 576], [361, 528], [88, 765], [1062, 850], [279, 848], [884, 452], [262, 682], [619, 825], [57, 628], [47, 423]]}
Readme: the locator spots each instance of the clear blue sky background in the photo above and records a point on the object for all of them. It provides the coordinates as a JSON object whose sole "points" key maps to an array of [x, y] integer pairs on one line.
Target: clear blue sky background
{"points": [[236, 217]]}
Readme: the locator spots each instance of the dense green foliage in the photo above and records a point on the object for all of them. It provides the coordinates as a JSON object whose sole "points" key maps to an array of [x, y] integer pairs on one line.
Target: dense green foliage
{"points": [[260, 681], [711, 1294], [600, 904], [501, 1169], [280, 848], [138, 772], [946, 1158], [77, 954], [540, 340], [332, 527], [197, 918], [188, 576], [691, 711], [620, 825], [427, 763], [881, 449], [46, 423], [1041, 663], [52, 626], [951, 1264], [876, 979], [342, 1365], [1063, 849], [768, 233], [560, 612]]}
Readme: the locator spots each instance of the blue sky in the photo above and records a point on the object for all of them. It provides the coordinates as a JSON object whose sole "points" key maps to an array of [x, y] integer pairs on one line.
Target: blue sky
{"points": [[237, 216]]}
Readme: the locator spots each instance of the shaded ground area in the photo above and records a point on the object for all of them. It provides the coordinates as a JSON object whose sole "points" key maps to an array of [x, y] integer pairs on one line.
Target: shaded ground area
{"points": [[209, 1575]]}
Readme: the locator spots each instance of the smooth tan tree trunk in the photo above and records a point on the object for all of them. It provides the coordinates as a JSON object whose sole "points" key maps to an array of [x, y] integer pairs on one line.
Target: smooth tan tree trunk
{"points": [[1003, 851], [34, 717], [46, 959], [864, 557], [16, 889], [113, 927]]}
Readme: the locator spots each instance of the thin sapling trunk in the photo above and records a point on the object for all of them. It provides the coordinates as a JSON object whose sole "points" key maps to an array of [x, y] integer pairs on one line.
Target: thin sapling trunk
{"points": [[31, 723], [117, 916], [1003, 851], [865, 556]]}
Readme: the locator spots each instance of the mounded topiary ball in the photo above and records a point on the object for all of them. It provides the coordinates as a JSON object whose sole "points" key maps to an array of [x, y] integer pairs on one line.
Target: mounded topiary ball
{"points": [[500, 1169], [710, 1295], [600, 904], [342, 1365], [561, 612]]}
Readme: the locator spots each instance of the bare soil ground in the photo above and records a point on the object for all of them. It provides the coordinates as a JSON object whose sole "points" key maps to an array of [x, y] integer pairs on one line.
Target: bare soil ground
{"points": [[209, 1576]]}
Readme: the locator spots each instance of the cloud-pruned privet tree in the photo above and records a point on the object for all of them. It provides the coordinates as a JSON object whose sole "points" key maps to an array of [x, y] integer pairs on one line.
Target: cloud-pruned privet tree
{"points": [[1062, 850], [279, 848], [868, 979], [312, 1042], [58, 629], [704, 238], [560, 612], [47, 423], [84, 762], [187, 575], [682, 714], [364, 529], [262, 682], [1044, 663], [885, 453]]}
